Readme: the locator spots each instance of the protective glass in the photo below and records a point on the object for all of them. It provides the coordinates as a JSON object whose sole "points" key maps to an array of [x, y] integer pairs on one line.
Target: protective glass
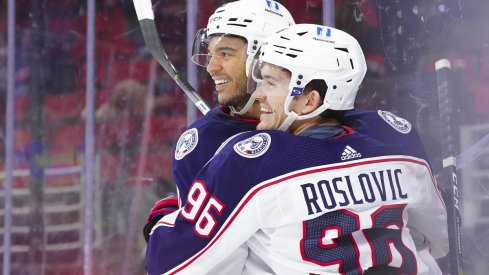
{"points": [[200, 55], [254, 74], [256, 79], [222, 46]]}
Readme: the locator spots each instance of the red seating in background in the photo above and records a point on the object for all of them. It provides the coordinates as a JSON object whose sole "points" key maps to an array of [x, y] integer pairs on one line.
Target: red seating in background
{"points": [[21, 107], [110, 166], [66, 25], [110, 72], [22, 138], [166, 129], [141, 69], [157, 166], [112, 137], [111, 33], [67, 139], [63, 106], [99, 75], [101, 97], [117, 134], [20, 174]]}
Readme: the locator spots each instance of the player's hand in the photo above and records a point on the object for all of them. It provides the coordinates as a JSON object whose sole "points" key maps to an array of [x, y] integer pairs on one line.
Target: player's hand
{"points": [[160, 208]]}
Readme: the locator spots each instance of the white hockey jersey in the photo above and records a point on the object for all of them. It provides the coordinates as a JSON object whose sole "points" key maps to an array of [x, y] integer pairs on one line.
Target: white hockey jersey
{"points": [[304, 205]]}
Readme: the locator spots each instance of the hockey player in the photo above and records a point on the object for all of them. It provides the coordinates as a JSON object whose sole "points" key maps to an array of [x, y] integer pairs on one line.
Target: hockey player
{"points": [[233, 35], [318, 197]]}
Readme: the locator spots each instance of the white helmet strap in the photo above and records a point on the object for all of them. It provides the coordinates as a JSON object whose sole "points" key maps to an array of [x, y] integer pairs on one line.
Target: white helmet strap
{"points": [[291, 117], [245, 108]]}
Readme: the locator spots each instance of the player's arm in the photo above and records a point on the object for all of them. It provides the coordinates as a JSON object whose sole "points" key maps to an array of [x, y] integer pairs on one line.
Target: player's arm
{"points": [[182, 242], [213, 224], [429, 220]]}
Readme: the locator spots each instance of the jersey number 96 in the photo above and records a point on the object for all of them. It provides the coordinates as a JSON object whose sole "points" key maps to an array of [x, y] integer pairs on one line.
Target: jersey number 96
{"points": [[328, 240], [200, 207]]}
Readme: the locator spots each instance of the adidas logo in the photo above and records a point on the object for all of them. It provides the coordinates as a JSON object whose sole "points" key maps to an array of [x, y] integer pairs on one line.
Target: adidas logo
{"points": [[350, 153]]}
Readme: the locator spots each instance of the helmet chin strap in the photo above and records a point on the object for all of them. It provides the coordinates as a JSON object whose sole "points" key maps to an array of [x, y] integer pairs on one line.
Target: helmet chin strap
{"points": [[245, 108], [291, 117], [251, 100]]}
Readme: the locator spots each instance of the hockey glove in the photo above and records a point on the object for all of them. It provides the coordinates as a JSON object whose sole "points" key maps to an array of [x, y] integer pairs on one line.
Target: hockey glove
{"points": [[160, 209]]}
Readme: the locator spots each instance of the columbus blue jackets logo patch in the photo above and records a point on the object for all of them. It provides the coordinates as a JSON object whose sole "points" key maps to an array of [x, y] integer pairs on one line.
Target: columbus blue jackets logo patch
{"points": [[254, 146], [398, 123], [186, 143]]}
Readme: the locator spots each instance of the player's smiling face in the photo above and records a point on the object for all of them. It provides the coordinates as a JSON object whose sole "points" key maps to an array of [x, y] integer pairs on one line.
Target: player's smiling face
{"points": [[271, 94], [227, 68]]}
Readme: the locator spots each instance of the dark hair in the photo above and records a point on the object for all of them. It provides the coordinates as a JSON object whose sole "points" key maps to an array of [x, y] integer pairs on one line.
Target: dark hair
{"points": [[321, 86]]}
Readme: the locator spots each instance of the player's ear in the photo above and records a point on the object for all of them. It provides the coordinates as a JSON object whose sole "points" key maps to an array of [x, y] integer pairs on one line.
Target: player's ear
{"points": [[313, 101]]}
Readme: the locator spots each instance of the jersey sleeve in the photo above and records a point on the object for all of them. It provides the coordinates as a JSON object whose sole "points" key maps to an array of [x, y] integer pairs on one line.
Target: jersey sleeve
{"points": [[212, 225], [430, 220], [198, 144], [199, 246]]}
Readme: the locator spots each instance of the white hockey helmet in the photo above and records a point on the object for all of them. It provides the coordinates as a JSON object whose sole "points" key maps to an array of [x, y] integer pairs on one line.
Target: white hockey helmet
{"points": [[314, 52], [252, 20]]}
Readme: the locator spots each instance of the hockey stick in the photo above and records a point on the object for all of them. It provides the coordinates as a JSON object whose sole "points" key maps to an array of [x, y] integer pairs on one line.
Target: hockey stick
{"points": [[443, 70], [146, 16]]}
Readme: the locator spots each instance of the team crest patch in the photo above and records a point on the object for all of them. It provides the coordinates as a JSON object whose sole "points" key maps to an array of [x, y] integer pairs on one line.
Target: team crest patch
{"points": [[186, 143], [254, 146], [398, 123]]}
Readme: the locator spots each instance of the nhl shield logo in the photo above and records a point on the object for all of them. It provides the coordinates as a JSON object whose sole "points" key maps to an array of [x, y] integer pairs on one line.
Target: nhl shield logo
{"points": [[398, 123], [186, 143], [254, 146]]}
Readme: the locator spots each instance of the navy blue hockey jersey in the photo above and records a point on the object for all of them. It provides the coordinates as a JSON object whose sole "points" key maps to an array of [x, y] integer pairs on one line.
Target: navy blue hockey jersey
{"points": [[200, 141], [305, 205]]}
